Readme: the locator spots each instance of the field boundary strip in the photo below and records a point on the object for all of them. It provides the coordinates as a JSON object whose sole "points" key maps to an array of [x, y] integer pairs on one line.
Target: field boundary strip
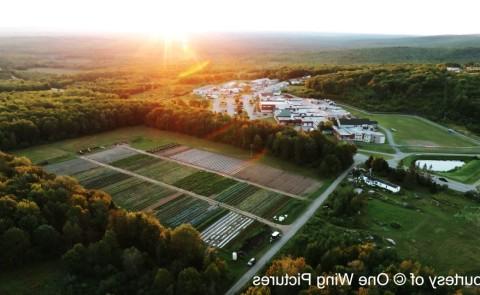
{"points": [[216, 172], [162, 201], [281, 227]]}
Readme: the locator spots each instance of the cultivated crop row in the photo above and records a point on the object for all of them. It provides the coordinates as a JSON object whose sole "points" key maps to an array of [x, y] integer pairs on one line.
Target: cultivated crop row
{"points": [[268, 204], [69, 167], [166, 171], [100, 177], [205, 183], [236, 194], [135, 162], [225, 229], [135, 194], [184, 209], [111, 155], [155, 168], [211, 161]]}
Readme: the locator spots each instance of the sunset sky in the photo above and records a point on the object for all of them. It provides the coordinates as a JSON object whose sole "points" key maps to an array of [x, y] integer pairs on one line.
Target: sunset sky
{"points": [[419, 17]]}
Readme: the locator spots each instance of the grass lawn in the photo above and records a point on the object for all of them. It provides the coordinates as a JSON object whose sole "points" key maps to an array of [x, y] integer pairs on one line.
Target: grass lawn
{"points": [[41, 278], [145, 138], [469, 173], [439, 230], [376, 155], [382, 148], [411, 130], [474, 150]]}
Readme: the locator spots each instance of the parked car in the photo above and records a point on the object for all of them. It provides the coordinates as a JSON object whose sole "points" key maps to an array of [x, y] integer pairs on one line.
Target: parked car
{"points": [[252, 261], [275, 235], [442, 179]]}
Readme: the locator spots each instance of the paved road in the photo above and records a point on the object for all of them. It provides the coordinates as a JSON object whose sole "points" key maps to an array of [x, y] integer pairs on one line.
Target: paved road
{"points": [[454, 185], [282, 227], [294, 228], [391, 140]]}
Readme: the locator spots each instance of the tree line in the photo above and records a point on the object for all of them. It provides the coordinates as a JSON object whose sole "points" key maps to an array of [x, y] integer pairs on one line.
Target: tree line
{"points": [[303, 148], [28, 122], [104, 249], [426, 90], [410, 178]]}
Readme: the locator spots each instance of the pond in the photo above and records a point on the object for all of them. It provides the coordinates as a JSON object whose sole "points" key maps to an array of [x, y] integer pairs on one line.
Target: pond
{"points": [[439, 165]]}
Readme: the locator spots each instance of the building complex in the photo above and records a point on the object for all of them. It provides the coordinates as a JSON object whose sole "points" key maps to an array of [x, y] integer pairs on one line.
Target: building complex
{"points": [[264, 98]]}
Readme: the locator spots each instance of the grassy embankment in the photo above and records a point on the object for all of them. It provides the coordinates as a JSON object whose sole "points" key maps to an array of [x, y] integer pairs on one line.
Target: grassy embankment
{"points": [[468, 173], [416, 134]]}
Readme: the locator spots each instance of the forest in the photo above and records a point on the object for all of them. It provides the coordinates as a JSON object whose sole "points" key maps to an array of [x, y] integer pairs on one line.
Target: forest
{"points": [[104, 249], [426, 90]]}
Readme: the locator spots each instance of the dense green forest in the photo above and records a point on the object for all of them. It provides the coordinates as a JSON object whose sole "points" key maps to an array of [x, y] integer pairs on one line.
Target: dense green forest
{"points": [[105, 249], [37, 117], [426, 90], [94, 52]]}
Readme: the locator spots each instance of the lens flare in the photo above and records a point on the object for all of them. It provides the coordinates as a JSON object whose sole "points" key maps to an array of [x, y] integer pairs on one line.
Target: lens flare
{"points": [[194, 69]]}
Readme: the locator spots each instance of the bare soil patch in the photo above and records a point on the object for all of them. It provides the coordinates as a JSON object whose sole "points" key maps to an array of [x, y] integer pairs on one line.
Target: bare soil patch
{"points": [[278, 179]]}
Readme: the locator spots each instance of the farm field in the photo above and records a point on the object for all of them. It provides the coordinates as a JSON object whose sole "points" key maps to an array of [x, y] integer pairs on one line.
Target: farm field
{"points": [[127, 192], [469, 173], [428, 219], [99, 177], [185, 209], [205, 183], [112, 154], [155, 168], [261, 202], [145, 138], [279, 179], [69, 167], [135, 194], [411, 130], [212, 161], [261, 174], [250, 198], [225, 229]]}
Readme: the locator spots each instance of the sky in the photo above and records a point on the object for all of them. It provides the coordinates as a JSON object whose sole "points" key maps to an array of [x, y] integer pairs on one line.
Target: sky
{"points": [[174, 17]]}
